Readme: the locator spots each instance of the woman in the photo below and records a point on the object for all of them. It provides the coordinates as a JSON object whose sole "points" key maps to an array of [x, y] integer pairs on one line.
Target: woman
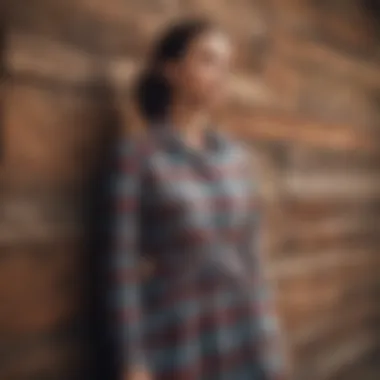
{"points": [[185, 207]]}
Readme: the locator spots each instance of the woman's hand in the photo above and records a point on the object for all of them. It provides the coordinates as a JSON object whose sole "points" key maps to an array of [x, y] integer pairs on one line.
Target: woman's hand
{"points": [[139, 374]]}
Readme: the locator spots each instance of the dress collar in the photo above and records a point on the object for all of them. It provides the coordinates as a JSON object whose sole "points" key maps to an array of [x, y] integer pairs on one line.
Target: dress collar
{"points": [[214, 142]]}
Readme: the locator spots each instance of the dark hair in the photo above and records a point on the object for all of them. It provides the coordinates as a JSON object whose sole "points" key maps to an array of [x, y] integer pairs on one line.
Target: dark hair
{"points": [[153, 92]]}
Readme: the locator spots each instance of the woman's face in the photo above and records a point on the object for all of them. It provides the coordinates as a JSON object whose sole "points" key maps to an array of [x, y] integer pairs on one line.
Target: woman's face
{"points": [[202, 75]]}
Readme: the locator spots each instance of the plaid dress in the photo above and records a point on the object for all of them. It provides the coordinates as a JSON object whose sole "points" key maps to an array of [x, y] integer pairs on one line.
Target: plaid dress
{"points": [[204, 313]]}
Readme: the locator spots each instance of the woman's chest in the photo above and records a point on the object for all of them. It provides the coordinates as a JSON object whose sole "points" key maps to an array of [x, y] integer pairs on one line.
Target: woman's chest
{"points": [[197, 193]]}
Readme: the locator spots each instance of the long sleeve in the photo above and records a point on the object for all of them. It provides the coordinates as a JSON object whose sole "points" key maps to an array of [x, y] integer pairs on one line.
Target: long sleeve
{"points": [[271, 341], [125, 259]]}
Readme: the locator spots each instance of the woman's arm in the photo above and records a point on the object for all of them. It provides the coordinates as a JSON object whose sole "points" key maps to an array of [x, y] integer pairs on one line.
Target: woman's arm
{"points": [[125, 261], [271, 342], [271, 339]]}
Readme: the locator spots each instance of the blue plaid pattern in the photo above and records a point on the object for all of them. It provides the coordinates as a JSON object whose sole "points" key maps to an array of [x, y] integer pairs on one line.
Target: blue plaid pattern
{"points": [[205, 312]]}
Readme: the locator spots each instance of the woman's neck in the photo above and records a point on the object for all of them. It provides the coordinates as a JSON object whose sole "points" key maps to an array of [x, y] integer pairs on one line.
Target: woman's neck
{"points": [[189, 122]]}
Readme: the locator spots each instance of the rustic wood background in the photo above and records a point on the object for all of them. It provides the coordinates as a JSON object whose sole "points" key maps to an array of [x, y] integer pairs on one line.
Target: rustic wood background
{"points": [[306, 95]]}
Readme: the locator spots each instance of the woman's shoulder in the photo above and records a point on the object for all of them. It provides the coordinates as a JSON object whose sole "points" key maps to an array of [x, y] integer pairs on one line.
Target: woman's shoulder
{"points": [[244, 152], [239, 148]]}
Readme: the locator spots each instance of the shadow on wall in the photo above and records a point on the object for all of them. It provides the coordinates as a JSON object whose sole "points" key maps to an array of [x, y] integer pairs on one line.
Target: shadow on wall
{"points": [[373, 8], [2, 75], [97, 206]]}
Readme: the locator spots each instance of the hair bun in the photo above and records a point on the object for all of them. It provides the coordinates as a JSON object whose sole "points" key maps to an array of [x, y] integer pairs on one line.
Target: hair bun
{"points": [[153, 95]]}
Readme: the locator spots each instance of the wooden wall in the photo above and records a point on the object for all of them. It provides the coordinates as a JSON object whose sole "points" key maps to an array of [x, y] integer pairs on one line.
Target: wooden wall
{"points": [[306, 95]]}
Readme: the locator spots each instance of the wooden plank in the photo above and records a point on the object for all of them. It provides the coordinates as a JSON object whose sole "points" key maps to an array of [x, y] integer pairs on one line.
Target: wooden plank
{"points": [[305, 160], [36, 277], [305, 50], [334, 185], [324, 365], [334, 233], [259, 127], [307, 263], [41, 355], [44, 57], [319, 209], [301, 319], [319, 327], [336, 357], [26, 218], [55, 137], [90, 27]]}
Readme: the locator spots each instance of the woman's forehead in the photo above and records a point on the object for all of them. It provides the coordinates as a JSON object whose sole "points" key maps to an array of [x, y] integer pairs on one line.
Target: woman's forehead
{"points": [[215, 41]]}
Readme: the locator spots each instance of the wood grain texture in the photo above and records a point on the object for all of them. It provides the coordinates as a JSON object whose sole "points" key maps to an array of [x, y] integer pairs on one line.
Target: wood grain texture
{"points": [[304, 95]]}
